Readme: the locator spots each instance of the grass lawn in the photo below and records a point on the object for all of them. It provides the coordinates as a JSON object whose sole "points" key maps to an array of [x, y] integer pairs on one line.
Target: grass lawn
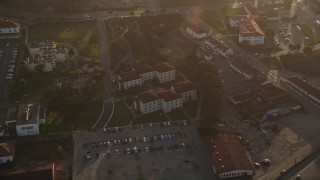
{"points": [[211, 17], [121, 115], [76, 120], [150, 118], [177, 3], [309, 33], [83, 35], [271, 62]]}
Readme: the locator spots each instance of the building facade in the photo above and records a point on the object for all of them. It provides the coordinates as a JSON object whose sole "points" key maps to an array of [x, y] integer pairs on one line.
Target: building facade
{"points": [[219, 46], [170, 101], [147, 102], [165, 73], [186, 90], [195, 31], [129, 80], [9, 26]]}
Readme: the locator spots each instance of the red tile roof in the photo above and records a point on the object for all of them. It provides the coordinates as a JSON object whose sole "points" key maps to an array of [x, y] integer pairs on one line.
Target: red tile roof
{"points": [[129, 76], [248, 26], [219, 44], [227, 154], [305, 86], [182, 87], [168, 96], [147, 96], [163, 67], [203, 51], [247, 68], [143, 68], [195, 28], [9, 23], [6, 149]]}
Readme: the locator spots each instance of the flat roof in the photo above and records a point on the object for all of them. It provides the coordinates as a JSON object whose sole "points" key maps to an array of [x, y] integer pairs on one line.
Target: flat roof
{"points": [[305, 86], [24, 114]]}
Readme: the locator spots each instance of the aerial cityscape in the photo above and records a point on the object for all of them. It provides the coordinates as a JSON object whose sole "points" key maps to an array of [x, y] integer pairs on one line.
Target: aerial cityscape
{"points": [[159, 89]]}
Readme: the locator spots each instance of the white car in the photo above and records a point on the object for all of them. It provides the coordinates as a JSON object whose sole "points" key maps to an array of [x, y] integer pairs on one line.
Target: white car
{"points": [[298, 28], [88, 155], [147, 149]]}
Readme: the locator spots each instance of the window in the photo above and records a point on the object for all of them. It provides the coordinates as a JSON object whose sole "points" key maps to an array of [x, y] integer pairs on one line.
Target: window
{"points": [[23, 128]]}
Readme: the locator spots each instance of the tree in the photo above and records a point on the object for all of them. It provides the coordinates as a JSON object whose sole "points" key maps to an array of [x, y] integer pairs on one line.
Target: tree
{"points": [[39, 68], [23, 83], [269, 33]]}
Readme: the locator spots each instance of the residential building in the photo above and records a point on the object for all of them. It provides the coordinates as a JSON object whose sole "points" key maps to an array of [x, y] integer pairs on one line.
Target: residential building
{"points": [[195, 31], [130, 79], [47, 171], [269, 92], [170, 100], [165, 73], [204, 53], [9, 26], [228, 157], [305, 88], [6, 152], [146, 72], [247, 70], [186, 90], [219, 46], [26, 117], [147, 102], [249, 29], [241, 98]]}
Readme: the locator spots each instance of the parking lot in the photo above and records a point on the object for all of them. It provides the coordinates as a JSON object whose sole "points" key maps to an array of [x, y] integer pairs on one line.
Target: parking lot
{"points": [[8, 56], [156, 151]]}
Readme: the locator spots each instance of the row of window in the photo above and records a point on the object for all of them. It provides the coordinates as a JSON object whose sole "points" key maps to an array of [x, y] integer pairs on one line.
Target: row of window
{"points": [[27, 128], [232, 174]]}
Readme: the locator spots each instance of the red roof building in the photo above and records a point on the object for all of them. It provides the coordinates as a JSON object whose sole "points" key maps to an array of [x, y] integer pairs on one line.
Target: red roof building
{"points": [[228, 157], [219, 46], [195, 31], [9, 26]]}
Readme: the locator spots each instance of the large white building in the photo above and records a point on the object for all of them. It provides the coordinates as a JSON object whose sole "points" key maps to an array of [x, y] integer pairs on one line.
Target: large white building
{"points": [[129, 80], [249, 30], [165, 73], [186, 90], [6, 152], [147, 102], [9, 26], [228, 157], [146, 72], [219, 46], [170, 101], [195, 31]]}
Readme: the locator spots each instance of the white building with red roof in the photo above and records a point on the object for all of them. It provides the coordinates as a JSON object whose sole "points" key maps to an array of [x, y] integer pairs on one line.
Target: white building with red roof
{"points": [[146, 72], [9, 26], [187, 90], [204, 53], [195, 31], [165, 72], [6, 152], [228, 157], [130, 79], [170, 100], [147, 102], [249, 29], [219, 46]]}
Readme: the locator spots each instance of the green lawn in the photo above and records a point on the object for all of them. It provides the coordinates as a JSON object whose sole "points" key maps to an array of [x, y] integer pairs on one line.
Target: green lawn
{"points": [[73, 120], [309, 33], [211, 17], [150, 118], [177, 3], [271, 62], [121, 115], [83, 35]]}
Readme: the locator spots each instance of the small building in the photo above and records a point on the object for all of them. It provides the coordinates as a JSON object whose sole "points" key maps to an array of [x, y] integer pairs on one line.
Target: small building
{"points": [[147, 102], [195, 31], [170, 101], [6, 152], [186, 90], [9, 26], [146, 72], [219, 46], [247, 70], [228, 157], [241, 98], [204, 53], [305, 88], [269, 92], [165, 73], [27, 119], [130, 79], [249, 29]]}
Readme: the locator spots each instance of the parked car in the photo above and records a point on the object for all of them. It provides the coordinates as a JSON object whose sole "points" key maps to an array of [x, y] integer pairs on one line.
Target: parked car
{"points": [[266, 162]]}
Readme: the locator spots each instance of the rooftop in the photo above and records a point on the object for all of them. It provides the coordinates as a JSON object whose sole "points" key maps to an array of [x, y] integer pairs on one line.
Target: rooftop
{"points": [[248, 26], [305, 86], [129, 76], [163, 67], [143, 68], [227, 154], [219, 44], [241, 97], [247, 68], [203, 51], [9, 23], [147, 96], [268, 90], [168, 96], [24, 114], [6, 149], [195, 28], [182, 87]]}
